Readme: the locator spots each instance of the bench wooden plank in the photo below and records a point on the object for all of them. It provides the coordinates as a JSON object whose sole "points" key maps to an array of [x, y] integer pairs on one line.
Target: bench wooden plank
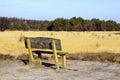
{"points": [[43, 43], [48, 52]]}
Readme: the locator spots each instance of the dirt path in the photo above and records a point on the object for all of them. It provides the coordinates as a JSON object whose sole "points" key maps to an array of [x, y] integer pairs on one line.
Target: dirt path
{"points": [[76, 70]]}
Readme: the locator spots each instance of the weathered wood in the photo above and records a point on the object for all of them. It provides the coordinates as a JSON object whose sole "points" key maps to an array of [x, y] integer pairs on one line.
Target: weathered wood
{"points": [[43, 43]]}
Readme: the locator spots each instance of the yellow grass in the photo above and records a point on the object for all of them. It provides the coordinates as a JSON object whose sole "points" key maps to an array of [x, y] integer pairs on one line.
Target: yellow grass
{"points": [[11, 42]]}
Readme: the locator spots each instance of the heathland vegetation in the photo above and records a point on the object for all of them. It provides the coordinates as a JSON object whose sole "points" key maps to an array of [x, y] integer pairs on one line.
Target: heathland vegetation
{"points": [[12, 42], [59, 24], [103, 38]]}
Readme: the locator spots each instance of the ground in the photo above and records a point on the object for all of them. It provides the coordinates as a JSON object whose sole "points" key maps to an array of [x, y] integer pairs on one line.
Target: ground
{"points": [[76, 70]]}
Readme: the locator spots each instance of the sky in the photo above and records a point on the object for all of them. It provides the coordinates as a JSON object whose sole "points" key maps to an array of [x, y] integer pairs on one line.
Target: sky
{"points": [[51, 9]]}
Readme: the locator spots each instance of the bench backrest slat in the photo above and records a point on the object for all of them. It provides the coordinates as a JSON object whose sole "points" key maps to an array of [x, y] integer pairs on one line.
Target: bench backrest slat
{"points": [[43, 43]]}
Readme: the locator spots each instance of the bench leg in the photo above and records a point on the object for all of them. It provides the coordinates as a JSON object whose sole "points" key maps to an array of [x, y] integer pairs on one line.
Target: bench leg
{"points": [[56, 61], [55, 54], [40, 58], [64, 61], [31, 59]]}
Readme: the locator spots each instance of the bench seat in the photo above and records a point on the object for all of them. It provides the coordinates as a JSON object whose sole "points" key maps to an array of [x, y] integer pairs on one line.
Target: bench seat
{"points": [[49, 52]]}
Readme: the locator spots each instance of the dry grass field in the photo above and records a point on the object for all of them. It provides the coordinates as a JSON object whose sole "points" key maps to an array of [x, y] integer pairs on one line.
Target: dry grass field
{"points": [[88, 52], [11, 42]]}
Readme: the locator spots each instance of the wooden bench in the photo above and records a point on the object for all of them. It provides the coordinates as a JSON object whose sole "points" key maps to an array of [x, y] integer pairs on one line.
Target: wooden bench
{"points": [[41, 45]]}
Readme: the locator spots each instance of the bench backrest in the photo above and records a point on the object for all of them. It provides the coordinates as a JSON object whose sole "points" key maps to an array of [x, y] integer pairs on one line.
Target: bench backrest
{"points": [[43, 42]]}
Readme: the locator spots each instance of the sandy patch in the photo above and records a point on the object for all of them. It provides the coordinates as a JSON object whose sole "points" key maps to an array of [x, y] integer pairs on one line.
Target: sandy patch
{"points": [[76, 70]]}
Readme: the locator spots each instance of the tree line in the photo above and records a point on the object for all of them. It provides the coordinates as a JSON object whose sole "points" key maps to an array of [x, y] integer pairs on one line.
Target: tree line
{"points": [[59, 24]]}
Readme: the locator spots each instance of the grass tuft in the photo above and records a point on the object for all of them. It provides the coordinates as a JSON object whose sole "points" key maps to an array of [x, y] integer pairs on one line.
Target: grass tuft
{"points": [[21, 37]]}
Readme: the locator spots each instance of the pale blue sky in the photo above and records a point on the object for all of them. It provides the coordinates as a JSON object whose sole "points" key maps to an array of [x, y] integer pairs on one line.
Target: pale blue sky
{"points": [[51, 9]]}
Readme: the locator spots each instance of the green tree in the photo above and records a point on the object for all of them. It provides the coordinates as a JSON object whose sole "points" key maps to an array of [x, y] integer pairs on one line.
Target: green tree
{"points": [[43, 27], [58, 24], [96, 24], [77, 23], [111, 25], [16, 26]]}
